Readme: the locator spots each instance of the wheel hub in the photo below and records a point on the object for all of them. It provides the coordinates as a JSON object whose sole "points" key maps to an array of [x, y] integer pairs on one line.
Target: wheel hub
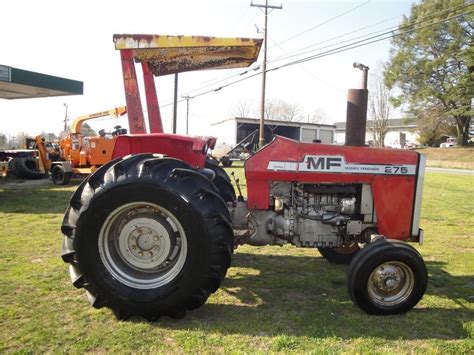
{"points": [[390, 283], [142, 245], [146, 241], [387, 278]]}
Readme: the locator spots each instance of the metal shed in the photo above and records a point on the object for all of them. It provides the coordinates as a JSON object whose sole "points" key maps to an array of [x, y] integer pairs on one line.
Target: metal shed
{"points": [[300, 131]]}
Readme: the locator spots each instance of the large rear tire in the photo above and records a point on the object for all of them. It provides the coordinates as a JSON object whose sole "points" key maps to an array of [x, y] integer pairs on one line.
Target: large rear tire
{"points": [[147, 236], [25, 168], [387, 277]]}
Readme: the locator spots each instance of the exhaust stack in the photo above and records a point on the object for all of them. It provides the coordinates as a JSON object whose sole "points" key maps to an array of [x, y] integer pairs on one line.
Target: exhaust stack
{"points": [[356, 117]]}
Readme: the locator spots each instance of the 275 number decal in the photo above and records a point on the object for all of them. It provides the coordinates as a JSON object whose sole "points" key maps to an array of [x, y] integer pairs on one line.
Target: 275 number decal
{"points": [[396, 170]]}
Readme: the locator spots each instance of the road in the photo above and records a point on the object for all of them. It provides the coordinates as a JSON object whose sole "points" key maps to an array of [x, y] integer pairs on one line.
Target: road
{"points": [[451, 171]]}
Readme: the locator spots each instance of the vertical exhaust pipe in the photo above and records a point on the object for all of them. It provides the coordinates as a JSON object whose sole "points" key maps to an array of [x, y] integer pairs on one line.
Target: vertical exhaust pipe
{"points": [[356, 117]]}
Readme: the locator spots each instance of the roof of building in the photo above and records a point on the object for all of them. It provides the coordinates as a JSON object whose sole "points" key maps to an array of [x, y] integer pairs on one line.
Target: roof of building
{"points": [[392, 123], [23, 84], [281, 123]]}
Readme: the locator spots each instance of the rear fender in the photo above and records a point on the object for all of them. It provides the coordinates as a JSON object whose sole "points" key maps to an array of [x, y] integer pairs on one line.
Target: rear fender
{"points": [[191, 150]]}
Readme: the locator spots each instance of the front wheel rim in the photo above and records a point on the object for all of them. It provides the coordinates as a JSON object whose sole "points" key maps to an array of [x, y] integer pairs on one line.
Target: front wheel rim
{"points": [[142, 245], [391, 283]]}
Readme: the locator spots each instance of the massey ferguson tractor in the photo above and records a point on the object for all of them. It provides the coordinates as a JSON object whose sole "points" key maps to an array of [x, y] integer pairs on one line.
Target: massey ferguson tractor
{"points": [[151, 232]]}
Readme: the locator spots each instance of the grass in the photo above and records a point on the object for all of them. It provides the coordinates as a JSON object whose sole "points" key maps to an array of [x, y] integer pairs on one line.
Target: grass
{"points": [[274, 299], [455, 157]]}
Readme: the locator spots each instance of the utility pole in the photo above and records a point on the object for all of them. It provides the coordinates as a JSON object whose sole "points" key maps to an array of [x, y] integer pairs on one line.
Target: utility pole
{"points": [[175, 107], [65, 118], [187, 97], [261, 140]]}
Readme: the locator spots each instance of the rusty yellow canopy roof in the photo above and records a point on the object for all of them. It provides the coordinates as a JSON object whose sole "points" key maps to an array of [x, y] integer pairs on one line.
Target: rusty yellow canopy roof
{"points": [[174, 54]]}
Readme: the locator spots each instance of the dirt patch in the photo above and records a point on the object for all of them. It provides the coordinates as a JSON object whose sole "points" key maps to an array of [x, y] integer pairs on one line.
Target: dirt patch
{"points": [[8, 183]]}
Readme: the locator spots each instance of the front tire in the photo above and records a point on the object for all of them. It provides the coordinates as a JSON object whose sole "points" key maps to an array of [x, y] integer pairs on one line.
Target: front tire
{"points": [[147, 236], [387, 277]]}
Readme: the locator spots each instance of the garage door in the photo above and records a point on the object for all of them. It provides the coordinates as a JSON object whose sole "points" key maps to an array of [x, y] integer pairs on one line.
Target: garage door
{"points": [[326, 136], [308, 135]]}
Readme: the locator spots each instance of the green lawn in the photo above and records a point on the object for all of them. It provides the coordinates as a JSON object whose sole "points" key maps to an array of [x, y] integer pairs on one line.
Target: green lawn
{"points": [[455, 157], [274, 298]]}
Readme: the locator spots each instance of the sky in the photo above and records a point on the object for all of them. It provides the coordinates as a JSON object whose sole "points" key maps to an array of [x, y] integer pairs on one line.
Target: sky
{"points": [[73, 39]]}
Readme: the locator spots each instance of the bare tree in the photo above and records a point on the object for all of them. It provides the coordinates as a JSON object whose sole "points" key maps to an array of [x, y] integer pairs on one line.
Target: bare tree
{"points": [[243, 109], [3, 141], [19, 141], [379, 109], [49, 137], [318, 116], [280, 110]]}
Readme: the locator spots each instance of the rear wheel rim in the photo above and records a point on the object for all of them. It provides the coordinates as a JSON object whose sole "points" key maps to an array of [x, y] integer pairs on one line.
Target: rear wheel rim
{"points": [[391, 283], [142, 245]]}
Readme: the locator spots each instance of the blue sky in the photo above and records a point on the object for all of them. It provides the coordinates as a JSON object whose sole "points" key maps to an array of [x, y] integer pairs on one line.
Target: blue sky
{"points": [[73, 39]]}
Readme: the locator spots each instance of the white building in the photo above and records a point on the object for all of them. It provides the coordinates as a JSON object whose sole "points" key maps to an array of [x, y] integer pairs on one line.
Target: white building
{"points": [[401, 132]]}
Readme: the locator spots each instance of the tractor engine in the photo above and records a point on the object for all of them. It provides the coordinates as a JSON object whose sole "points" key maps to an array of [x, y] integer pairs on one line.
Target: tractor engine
{"points": [[303, 214]]}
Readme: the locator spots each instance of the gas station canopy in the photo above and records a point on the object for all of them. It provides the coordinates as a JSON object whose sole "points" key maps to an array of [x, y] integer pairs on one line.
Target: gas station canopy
{"points": [[23, 84], [174, 54]]}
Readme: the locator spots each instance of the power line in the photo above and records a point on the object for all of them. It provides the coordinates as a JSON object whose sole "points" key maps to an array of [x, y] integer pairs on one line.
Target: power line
{"points": [[295, 53], [364, 42], [324, 23], [213, 81], [353, 45], [306, 70], [382, 32], [337, 37]]}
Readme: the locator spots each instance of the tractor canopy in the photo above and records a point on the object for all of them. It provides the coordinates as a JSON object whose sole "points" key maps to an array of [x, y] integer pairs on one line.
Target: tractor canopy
{"points": [[175, 54]]}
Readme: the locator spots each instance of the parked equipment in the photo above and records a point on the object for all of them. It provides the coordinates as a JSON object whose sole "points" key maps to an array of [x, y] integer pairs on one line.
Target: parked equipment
{"points": [[21, 163], [242, 151], [77, 154], [151, 232]]}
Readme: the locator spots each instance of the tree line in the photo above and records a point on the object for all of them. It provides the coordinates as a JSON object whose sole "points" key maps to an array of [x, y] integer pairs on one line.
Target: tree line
{"points": [[18, 141]]}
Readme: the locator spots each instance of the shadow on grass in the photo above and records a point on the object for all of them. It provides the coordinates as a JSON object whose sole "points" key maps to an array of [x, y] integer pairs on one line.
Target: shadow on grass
{"points": [[307, 296], [42, 199]]}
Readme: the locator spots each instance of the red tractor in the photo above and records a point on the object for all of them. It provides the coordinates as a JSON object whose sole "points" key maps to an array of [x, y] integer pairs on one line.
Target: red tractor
{"points": [[152, 232]]}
